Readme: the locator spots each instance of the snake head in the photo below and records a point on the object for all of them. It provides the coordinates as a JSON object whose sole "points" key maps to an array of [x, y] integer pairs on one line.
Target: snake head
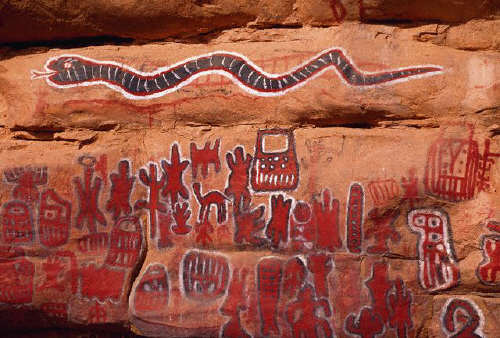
{"points": [[56, 67], [62, 63]]}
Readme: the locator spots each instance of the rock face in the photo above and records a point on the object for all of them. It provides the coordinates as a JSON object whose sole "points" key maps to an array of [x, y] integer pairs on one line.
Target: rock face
{"points": [[269, 168]]}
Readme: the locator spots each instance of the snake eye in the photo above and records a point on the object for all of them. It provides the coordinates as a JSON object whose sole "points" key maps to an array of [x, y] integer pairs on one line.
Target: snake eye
{"points": [[68, 64]]}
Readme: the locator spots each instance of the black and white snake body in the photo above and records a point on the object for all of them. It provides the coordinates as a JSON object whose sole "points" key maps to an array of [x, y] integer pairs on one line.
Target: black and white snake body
{"points": [[75, 70]]}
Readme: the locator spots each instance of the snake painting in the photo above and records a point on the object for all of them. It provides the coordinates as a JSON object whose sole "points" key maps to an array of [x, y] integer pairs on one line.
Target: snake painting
{"points": [[67, 71]]}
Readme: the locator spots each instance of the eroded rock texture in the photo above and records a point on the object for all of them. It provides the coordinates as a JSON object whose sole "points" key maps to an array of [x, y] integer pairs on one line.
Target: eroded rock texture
{"points": [[250, 168]]}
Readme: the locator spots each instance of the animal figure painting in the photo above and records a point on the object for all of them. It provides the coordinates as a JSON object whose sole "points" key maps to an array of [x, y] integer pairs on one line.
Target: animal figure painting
{"points": [[68, 70]]}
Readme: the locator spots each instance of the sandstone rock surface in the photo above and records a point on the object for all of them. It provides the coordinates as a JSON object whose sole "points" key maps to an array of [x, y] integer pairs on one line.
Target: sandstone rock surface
{"points": [[25, 21], [315, 168]]}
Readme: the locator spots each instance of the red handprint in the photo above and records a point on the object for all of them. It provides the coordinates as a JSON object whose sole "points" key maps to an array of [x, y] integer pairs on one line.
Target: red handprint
{"points": [[53, 268], [239, 178], [248, 224], [60, 271], [326, 211], [121, 187], [181, 216], [174, 170], [277, 228]]}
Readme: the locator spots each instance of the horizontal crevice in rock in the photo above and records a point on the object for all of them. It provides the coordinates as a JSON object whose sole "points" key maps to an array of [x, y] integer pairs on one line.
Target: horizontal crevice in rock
{"points": [[13, 49], [35, 136], [53, 129], [400, 23], [368, 119]]}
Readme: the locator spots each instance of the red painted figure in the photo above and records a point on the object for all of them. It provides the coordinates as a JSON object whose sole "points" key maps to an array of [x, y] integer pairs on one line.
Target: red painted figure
{"points": [[493, 226], [302, 315], [101, 167], [206, 201], [102, 284], [203, 231], [269, 276], [410, 186], [490, 266], [302, 227], [54, 274], [326, 213], [165, 222], [462, 318], [382, 230], [54, 219], [320, 265], [438, 268], [181, 214], [16, 274], [17, 223], [379, 286], [152, 293], [451, 169], [153, 203], [88, 196], [205, 277], [277, 228], [235, 303], [249, 224], [239, 178], [27, 180], [204, 157], [125, 243], [174, 170], [383, 191], [294, 277], [368, 10], [354, 217], [338, 10], [121, 188], [486, 163], [94, 243], [275, 166], [399, 303], [456, 170], [60, 271], [97, 314], [367, 325]]}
